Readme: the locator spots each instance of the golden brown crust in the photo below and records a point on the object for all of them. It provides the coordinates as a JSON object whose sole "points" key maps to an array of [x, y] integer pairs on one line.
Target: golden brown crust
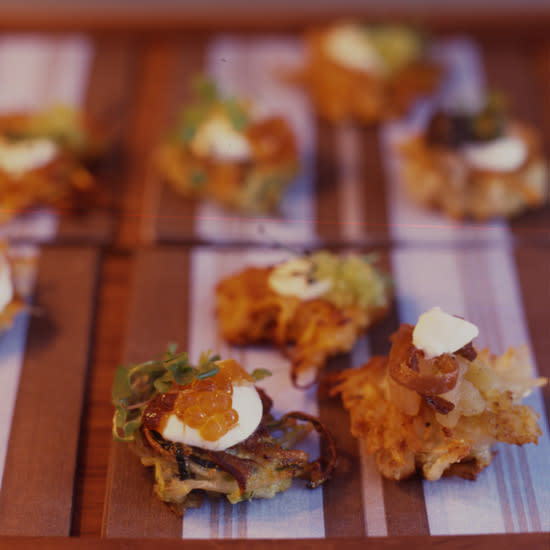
{"points": [[440, 178], [256, 185], [341, 93], [64, 183], [407, 434], [308, 331], [258, 467]]}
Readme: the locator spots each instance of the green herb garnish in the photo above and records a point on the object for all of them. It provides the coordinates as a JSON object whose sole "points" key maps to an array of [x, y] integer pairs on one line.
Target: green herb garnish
{"points": [[237, 114], [207, 101], [134, 386], [198, 178], [260, 374]]}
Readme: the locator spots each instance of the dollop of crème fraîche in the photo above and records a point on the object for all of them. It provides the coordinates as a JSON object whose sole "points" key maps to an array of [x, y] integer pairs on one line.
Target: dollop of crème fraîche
{"points": [[504, 154], [217, 138], [349, 45], [437, 332], [294, 278], [22, 156], [217, 412]]}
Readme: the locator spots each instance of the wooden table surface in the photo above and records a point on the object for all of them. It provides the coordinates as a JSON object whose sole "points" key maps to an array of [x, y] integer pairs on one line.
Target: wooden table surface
{"points": [[133, 71]]}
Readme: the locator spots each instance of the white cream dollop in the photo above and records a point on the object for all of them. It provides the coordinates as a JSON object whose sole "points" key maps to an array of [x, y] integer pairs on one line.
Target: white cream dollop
{"points": [[293, 278], [19, 157], [216, 137], [247, 403], [349, 45], [6, 285], [504, 154], [437, 332]]}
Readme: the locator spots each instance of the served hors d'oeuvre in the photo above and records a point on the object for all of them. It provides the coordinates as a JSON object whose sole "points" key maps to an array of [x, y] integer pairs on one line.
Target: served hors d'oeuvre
{"points": [[476, 165], [366, 72], [312, 307], [221, 151], [208, 429], [436, 405], [42, 160]]}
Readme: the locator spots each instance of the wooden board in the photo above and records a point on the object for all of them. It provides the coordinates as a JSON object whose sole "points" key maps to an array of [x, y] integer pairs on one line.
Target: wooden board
{"points": [[38, 482], [109, 100], [90, 498], [535, 541], [159, 313]]}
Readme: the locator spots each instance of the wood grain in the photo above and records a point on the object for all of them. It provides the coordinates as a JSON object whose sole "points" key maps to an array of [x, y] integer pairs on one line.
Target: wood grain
{"points": [[342, 495], [108, 100], [156, 60], [253, 16], [175, 214], [158, 314], [146, 60], [374, 182], [326, 177], [96, 436], [533, 541], [533, 267], [37, 488]]}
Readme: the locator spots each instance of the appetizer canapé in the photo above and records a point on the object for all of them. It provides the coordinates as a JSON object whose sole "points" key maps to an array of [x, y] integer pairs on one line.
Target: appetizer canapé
{"points": [[222, 152], [478, 165], [208, 429], [312, 307], [367, 73], [42, 160], [436, 405]]}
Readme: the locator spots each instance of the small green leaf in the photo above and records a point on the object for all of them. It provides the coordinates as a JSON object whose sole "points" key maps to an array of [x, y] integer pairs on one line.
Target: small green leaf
{"points": [[204, 88], [198, 178], [178, 359], [183, 374], [260, 374], [237, 114], [188, 133], [121, 386], [207, 372], [164, 383], [171, 348]]}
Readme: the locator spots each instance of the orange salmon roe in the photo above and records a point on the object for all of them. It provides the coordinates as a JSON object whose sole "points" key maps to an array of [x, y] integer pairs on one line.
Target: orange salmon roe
{"points": [[206, 405]]}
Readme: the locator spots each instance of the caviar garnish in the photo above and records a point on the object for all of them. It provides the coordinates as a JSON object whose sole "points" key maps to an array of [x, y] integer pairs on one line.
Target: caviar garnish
{"points": [[206, 405]]}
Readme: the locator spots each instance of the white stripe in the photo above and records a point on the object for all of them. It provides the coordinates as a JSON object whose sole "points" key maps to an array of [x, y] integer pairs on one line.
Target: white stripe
{"points": [[251, 69], [479, 284], [12, 345], [36, 72], [301, 508], [374, 513]]}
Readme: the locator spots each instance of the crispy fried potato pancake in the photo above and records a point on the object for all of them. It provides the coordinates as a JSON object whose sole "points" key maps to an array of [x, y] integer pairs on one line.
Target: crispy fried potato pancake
{"points": [[440, 178], [192, 459], [439, 434], [64, 181], [307, 331], [341, 92]]}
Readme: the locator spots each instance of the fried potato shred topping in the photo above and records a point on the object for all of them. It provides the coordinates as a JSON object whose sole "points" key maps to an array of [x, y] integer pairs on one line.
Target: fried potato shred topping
{"points": [[307, 331]]}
